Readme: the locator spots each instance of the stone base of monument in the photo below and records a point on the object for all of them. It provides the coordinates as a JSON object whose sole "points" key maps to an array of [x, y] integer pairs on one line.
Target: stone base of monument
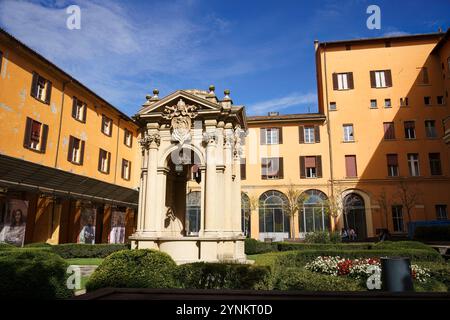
{"points": [[195, 249]]}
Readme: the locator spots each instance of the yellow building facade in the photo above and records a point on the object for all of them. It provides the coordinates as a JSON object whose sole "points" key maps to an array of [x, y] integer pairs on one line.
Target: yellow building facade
{"points": [[377, 151]]}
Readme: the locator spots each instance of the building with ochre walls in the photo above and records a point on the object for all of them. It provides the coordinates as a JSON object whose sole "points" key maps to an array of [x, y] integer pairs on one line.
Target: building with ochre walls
{"points": [[377, 149]]}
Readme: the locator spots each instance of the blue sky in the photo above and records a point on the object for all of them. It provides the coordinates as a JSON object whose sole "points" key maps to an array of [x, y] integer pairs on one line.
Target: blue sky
{"points": [[261, 50]]}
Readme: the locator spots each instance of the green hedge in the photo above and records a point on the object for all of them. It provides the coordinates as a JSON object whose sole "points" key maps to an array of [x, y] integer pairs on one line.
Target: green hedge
{"points": [[6, 246], [432, 233], [290, 246], [253, 246], [300, 258], [202, 275], [134, 269], [32, 274], [305, 280], [402, 245], [78, 250], [323, 237]]}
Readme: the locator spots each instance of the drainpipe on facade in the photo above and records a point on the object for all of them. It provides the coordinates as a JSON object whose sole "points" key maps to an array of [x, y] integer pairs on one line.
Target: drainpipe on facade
{"points": [[117, 150], [60, 121]]}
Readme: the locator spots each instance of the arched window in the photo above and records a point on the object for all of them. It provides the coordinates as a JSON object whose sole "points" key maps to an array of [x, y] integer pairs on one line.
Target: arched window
{"points": [[355, 215], [313, 215], [193, 209], [245, 214], [272, 217]]}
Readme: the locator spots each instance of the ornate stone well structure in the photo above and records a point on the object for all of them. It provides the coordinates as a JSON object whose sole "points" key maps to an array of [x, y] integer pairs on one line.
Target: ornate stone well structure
{"points": [[191, 138]]}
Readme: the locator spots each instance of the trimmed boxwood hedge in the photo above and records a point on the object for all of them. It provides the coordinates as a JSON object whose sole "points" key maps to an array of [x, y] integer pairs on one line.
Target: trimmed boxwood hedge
{"points": [[202, 275], [305, 280], [290, 246], [398, 245], [300, 258], [79, 250], [253, 246], [32, 274], [134, 269]]}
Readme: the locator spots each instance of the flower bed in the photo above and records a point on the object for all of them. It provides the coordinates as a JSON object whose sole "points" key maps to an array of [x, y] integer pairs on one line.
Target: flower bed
{"points": [[357, 268]]}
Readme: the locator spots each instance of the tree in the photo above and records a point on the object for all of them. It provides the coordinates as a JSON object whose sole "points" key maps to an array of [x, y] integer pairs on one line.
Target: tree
{"points": [[334, 205], [408, 196], [295, 199], [383, 202]]}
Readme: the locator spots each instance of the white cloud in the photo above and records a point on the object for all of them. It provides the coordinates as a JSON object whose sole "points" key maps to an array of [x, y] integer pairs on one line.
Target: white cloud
{"points": [[278, 104]]}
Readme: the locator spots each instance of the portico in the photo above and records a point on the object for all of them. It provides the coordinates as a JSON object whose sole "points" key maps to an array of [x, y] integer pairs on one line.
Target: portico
{"points": [[191, 139]]}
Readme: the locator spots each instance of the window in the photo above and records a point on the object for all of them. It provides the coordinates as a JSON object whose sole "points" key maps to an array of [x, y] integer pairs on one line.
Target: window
{"points": [[333, 106], [76, 151], [404, 102], [410, 130], [392, 165], [430, 129], [271, 168], [423, 76], [441, 212], [387, 103], [440, 100], [435, 164], [380, 79], [271, 136], [413, 164], [35, 135], [309, 134], [106, 125], [343, 81], [243, 169], [272, 215], [104, 160], [373, 104], [350, 166], [126, 168], [41, 88], [128, 138], [389, 131], [427, 100], [348, 133], [79, 110], [397, 218], [313, 210], [310, 167]]}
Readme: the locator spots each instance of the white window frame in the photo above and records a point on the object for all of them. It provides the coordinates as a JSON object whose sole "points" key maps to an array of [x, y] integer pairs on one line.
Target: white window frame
{"points": [[79, 111], [104, 161], [398, 217], [128, 138], [342, 79], [106, 125], [409, 131], [349, 133], [41, 85], [393, 171], [430, 130], [309, 134], [413, 165], [76, 150], [272, 135], [311, 172], [439, 215], [126, 169], [380, 79], [386, 102]]}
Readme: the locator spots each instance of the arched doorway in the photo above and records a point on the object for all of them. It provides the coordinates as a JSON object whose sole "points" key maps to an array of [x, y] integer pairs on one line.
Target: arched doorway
{"points": [[355, 215], [273, 221], [313, 214], [245, 214], [193, 211]]}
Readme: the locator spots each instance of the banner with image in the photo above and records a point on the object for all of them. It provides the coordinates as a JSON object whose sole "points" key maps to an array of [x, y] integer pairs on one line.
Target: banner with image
{"points": [[117, 233], [87, 223], [13, 222]]}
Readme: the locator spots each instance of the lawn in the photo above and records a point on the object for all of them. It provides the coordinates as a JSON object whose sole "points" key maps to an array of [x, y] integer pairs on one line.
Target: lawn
{"points": [[85, 261]]}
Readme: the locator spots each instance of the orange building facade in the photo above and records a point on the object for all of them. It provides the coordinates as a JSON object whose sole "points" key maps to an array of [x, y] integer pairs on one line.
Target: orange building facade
{"points": [[377, 152]]}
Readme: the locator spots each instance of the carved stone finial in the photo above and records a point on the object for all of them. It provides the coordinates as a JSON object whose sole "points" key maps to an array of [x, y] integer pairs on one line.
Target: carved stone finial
{"points": [[209, 137], [155, 95]]}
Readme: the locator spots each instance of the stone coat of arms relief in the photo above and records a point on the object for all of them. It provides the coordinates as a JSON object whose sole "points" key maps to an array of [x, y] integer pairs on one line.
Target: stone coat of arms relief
{"points": [[180, 116]]}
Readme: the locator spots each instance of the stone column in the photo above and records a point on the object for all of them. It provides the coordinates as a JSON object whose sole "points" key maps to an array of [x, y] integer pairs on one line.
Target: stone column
{"points": [[236, 188], [219, 209], [228, 178], [142, 183], [210, 183], [152, 190]]}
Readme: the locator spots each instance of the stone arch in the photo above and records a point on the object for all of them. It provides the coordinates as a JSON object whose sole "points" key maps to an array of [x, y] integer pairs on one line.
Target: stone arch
{"points": [[165, 155], [274, 222], [367, 209], [313, 214]]}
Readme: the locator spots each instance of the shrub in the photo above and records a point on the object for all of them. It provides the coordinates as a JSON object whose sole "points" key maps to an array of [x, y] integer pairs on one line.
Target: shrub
{"points": [[253, 246], [402, 245], [32, 274], [6, 246], [78, 250], [301, 279], [202, 275], [289, 246], [323, 237], [432, 233], [38, 245], [300, 258], [134, 269]]}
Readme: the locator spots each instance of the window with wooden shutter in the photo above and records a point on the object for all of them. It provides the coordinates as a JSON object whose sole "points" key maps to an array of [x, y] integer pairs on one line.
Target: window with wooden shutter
{"points": [[107, 125], [41, 88], [301, 134], [423, 76], [27, 138], [81, 153], [410, 129], [317, 134], [319, 166], [262, 136], [34, 82], [392, 165], [1, 60], [48, 92], [350, 166], [43, 146], [272, 168], [335, 81], [79, 110], [389, 130], [310, 166], [243, 169], [128, 138], [104, 161], [302, 168], [388, 76], [372, 79], [36, 135], [350, 80], [126, 169]]}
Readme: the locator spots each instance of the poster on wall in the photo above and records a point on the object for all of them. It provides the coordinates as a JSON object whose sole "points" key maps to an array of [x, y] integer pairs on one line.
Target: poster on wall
{"points": [[13, 222], [117, 234], [87, 223]]}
